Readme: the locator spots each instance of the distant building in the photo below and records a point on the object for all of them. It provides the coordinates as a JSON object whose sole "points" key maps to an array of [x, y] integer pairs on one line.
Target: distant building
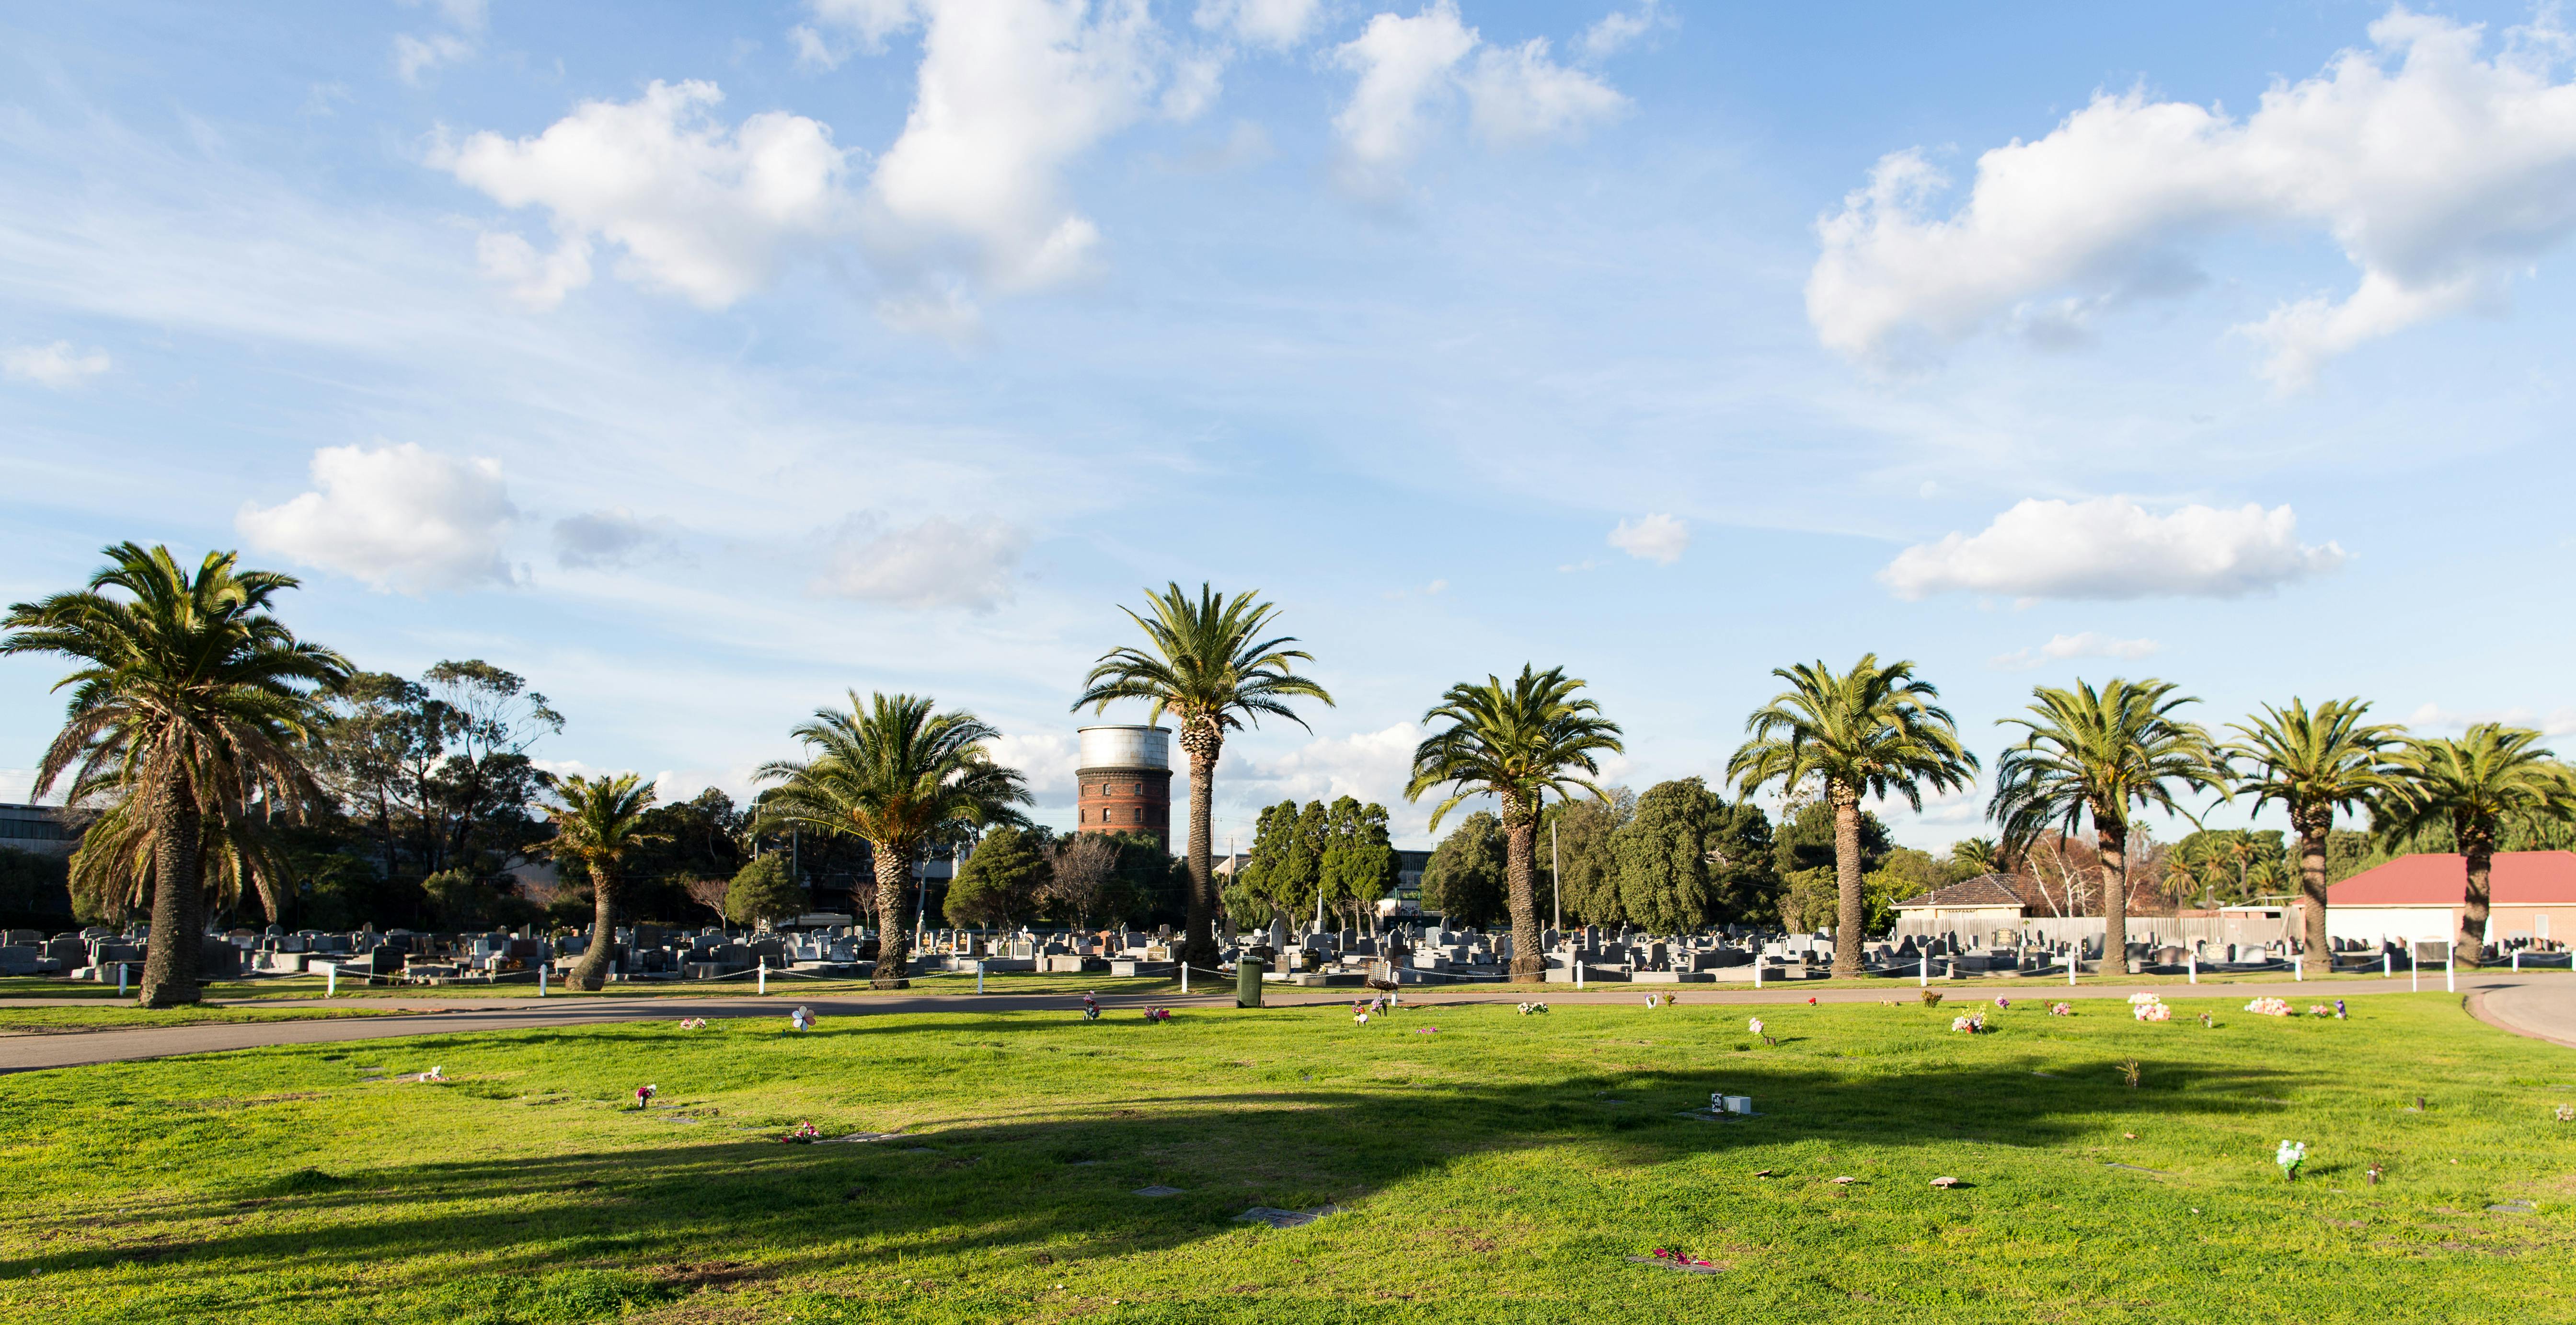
{"points": [[2532, 898], [1126, 781], [43, 830]]}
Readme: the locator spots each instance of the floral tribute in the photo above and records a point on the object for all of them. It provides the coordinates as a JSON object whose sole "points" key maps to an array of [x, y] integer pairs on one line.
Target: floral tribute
{"points": [[2269, 1007], [1971, 1024], [644, 1096], [805, 1133], [2002, 1002], [801, 1019], [2290, 1156], [2061, 1009], [2148, 1007], [693, 1023], [1153, 1015], [1754, 1025], [1670, 1256], [1533, 1009]]}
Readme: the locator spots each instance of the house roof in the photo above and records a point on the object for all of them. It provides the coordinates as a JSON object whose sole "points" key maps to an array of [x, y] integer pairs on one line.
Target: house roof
{"points": [[2521, 878], [1983, 890]]}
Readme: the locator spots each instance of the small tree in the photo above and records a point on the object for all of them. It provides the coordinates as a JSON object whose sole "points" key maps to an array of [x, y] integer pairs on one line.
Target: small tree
{"points": [[1079, 874], [1001, 881], [598, 824], [1663, 857], [765, 889], [709, 893], [1464, 879]]}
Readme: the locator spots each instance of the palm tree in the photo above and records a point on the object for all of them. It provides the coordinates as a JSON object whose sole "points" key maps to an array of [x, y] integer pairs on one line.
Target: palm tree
{"points": [[901, 777], [1517, 743], [2471, 785], [2100, 753], [1872, 731], [1206, 665], [190, 699], [1979, 854], [112, 868], [599, 823]]}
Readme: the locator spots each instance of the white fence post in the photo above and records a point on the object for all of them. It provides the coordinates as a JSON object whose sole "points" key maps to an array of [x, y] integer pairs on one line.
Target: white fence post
{"points": [[330, 979], [763, 978], [1923, 973], [121, 969], [979, 975], [1185, 979], [541, 981], [2191, 959], [2450, 967]]}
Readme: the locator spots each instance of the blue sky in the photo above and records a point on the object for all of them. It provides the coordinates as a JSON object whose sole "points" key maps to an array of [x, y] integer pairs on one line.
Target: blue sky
{"points": [[700, 363]]}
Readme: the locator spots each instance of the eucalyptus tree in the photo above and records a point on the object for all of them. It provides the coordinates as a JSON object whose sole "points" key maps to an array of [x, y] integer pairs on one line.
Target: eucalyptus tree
{"points": [[190, 699], [2472, 785], [599, 822], [1872, 731], [1517, 742], [902, 777], [2100, 753], [1206, 663]]}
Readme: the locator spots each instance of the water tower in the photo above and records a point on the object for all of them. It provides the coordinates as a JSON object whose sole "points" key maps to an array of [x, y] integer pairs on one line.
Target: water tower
{"points": [[1126, 780]]}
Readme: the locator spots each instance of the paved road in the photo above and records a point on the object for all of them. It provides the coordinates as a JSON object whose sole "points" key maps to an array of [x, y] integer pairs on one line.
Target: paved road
{"points": [[2541, 1006]]}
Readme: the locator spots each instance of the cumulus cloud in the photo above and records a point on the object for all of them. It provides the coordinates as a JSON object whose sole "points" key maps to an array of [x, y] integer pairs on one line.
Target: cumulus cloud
{"points": [[1372, 766], [397, 517], [1410, 68], [416, 54], [1279, 24], [1656, 538], [2438, 172], [937, 563], [2435, 718], [2060, 648], [2111, 547], [699, 208], [1616, 31], [608, 539], [1046, 758], [1011, 93], [58, 365]]}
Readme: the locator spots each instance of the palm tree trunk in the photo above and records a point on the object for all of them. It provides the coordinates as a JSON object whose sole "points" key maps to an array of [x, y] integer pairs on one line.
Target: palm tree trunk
{"points": [[170, 959], [2111, 842], [1847, 916], [894, 946], [2313, 829], [1520, 866], [1203, 743], [2477, 844], [591, 972]]}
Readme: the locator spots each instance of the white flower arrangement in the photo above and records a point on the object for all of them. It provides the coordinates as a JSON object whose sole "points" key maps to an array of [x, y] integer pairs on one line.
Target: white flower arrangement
{"points": [[2269, 1007], [2290, 1156], [2148, 1007]]}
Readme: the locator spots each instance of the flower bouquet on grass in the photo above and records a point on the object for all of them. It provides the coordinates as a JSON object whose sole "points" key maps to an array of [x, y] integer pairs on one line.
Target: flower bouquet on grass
{"points": [[2148, 1007], [644, 1096], [1969, 1025], [2269, 1007], [1153, 1015], [1533, 1009], [2061, 1010], [805, 1134], [2290, 1156], [693, 1023]]}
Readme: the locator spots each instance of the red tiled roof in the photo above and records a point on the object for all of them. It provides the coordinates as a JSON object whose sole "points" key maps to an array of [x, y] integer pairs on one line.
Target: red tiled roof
{"points": [[2522, 878]]}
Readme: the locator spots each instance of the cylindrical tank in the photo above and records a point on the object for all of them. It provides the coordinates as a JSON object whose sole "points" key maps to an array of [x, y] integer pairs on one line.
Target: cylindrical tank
{"points": [[1126, 747]]}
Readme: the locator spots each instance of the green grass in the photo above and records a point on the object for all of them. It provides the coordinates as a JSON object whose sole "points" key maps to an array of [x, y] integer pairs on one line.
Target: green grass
{"points": [[1499, 1169], [51, 1020]]}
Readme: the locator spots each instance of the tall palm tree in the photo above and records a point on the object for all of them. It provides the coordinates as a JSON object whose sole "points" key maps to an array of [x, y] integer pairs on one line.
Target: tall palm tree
{"points": [[2101, 753], [112, 868], [1871, 731], [900, 776], [600, 822], [2471, 785], [1516, 742], [1206, 664], [189, 699]]}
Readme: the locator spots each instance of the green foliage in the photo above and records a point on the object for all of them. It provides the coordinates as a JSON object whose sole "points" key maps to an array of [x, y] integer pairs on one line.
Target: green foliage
{"points": [[765, 889], [1339, 852], [1588, 869], [1001, 881], [1809, 896], [1686, 859], [2227, 866], [1464, 881], [452, 897], [1904, 872]]}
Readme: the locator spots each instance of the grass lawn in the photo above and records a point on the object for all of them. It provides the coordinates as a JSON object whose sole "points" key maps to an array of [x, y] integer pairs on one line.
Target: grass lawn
{"points": [[1499, 1169], [123, 1016]]}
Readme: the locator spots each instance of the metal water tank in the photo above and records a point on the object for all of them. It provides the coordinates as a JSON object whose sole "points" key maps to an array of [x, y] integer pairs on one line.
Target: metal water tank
{"points": [[1126, 746]]}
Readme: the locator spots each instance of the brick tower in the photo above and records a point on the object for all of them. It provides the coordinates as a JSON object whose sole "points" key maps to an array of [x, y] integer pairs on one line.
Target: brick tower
{"points": [[1126, 781]]}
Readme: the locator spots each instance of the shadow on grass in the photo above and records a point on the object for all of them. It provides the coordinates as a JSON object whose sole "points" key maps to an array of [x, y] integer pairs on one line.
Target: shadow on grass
{"points": [[1065, 1187]]}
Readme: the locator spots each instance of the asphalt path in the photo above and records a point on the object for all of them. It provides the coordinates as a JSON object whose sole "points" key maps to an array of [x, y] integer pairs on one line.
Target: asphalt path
{"points": [[2541, 1006]]}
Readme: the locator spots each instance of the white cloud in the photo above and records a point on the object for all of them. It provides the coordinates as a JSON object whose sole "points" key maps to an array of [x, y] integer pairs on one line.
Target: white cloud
{"points": [[1409, 67], [1047, 759], [1372, 766], [937, 563], [536, 281], [1279, 24], [1617, 31], [1011, 93], [57, 365], [2440, 175], [2435, 718], [608, 539], [699, 208], [2060, 648], [1520, 96], [872, 20], [2110, 547], [397, 517], [1656, 538], [1402, 63], [417, 54]]}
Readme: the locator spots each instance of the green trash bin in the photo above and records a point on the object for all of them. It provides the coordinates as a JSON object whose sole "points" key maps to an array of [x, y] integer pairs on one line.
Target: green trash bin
{"points": [[1247, 982]]}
